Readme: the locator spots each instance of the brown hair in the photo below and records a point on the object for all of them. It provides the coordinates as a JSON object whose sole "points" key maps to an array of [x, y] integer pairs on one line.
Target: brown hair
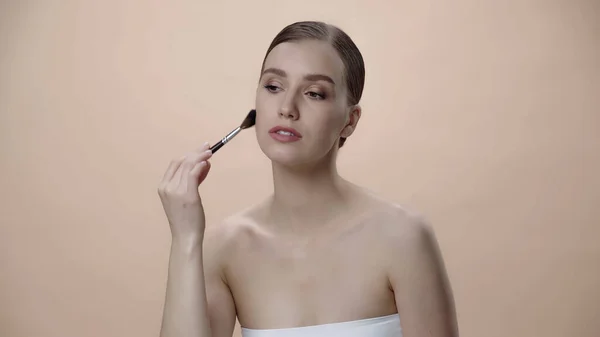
{"points": [[354, 67]]}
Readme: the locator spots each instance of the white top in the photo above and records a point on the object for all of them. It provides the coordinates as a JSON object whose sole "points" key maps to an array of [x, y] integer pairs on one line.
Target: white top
{"points": [[385, 326]]}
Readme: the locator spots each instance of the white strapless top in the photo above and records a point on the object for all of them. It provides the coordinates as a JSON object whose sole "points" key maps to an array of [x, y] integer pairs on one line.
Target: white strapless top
{"points": [[385, 326]]}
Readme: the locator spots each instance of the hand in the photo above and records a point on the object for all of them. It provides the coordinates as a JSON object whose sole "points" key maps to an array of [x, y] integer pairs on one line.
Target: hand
{"points": [[179, 194]]}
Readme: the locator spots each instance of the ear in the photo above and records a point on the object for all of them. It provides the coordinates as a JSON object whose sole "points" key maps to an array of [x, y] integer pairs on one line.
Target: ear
{"points": [[353, 117]]}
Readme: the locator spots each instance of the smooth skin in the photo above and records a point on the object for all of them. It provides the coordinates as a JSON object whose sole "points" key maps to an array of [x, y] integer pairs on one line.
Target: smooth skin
{"points": [[320, 249]]}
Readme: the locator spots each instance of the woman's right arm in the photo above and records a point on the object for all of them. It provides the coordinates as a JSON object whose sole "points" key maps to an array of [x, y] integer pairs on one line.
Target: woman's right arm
{"points": [[198, 303]]}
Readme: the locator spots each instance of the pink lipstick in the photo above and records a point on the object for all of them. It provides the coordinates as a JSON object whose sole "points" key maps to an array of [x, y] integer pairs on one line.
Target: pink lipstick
{"points": [[285, 135]]}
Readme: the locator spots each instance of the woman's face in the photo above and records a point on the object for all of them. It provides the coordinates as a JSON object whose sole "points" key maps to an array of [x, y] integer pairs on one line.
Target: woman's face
{"points": [[301, 103]]}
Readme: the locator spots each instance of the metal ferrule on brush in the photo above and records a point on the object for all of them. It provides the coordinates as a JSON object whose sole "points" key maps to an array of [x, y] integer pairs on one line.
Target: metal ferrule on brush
{"points": [[248, 122], [231, 135]]}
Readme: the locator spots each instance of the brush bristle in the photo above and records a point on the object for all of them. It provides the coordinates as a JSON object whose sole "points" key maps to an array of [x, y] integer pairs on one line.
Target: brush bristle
{"points": [[250, 120]]}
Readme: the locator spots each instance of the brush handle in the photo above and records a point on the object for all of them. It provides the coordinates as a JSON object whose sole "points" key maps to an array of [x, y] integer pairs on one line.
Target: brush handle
{"points": [[225, 139], [217, 146]]}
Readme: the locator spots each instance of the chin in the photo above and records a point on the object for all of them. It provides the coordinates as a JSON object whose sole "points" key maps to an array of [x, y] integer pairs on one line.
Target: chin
{"points": [[292, 155], [284, 154]]}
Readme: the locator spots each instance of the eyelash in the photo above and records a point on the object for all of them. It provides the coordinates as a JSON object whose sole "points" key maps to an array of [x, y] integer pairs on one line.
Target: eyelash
{"points": [[311, 94]]}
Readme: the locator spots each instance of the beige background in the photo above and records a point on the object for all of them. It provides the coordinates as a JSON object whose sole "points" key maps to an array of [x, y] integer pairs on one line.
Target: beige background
{"points": [[483, 115]]}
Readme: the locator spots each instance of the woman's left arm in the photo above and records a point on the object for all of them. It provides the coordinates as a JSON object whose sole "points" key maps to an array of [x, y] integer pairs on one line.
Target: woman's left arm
{"points": [[421, 288]]}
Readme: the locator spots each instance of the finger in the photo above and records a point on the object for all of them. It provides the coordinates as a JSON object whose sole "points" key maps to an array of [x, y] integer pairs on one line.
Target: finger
{"points": [[184, 169], [204, 172], [207, 155], [177, 177], [188, 164], [173, 166], [199, 157], [185, 172], [198, 169], [203, 148]]}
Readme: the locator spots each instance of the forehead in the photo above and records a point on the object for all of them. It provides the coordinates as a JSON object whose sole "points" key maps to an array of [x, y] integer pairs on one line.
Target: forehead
{"points": [[299, 58]]}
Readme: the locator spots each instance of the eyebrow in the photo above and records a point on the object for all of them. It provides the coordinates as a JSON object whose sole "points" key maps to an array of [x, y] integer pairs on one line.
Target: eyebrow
{"points": [[309, 77]]}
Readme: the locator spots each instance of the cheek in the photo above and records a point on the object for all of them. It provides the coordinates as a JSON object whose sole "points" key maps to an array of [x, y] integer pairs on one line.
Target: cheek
{"points": [[261, 105], [264, 121], [331, 126], [337, 120], [261, 123]]}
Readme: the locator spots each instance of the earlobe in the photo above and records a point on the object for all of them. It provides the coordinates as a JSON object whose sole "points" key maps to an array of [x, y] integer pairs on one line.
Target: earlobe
{"points": [[347, 131]]}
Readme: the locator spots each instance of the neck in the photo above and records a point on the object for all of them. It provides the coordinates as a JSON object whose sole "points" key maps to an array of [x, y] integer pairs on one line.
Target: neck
{"points": [[308, 197]]}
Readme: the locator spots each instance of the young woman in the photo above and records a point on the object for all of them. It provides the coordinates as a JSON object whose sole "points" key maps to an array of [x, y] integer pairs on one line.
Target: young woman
{"points": [[321, 256]]}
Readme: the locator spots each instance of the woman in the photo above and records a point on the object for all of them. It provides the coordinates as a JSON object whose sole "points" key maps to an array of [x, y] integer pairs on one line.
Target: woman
{"points": [[321, 256]]}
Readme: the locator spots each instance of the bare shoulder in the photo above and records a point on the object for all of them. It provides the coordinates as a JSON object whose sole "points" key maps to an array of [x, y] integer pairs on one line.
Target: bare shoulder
{"points": [[223, 238], [409, 231], [407, 235], [402, 227], [416, 272], [410, 242]]}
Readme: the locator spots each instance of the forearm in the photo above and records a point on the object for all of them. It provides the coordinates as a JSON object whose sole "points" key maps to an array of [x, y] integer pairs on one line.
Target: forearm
{"points": [[185, 312]]}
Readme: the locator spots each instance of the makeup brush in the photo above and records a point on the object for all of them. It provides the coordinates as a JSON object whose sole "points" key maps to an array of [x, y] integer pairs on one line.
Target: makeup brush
{"points": [[248, 122]]}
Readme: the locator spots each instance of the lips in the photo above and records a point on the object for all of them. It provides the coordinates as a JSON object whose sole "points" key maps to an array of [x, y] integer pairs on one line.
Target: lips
{"points": [[286, 130], [284, 134]]}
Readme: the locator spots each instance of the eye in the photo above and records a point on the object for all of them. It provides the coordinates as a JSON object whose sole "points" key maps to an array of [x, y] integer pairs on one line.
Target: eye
{"points": [[272, 88], [316, 95]]}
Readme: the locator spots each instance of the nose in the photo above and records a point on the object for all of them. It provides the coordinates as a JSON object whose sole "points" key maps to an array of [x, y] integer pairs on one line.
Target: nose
{"points": [[288, 108]]}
